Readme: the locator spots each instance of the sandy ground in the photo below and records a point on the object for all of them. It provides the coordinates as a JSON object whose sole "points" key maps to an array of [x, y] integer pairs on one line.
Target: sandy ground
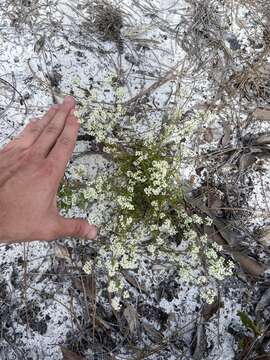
{"points": [[47, 51]]}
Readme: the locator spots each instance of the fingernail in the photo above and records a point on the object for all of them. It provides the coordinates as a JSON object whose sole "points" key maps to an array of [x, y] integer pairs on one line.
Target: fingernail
{"points": [[93, 231], [75, 117], [55, 106], [69, 100]]}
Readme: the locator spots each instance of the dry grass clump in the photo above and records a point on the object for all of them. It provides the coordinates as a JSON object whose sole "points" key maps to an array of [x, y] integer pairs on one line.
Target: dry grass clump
{"points": [[203, 33], [214, 50], [255, 83], [203, 41], [106, 20]]}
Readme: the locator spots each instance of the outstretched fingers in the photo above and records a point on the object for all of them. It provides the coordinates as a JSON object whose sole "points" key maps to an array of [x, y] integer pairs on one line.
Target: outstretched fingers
{"points": [[33, 130], [52, 131], [62, 151]]}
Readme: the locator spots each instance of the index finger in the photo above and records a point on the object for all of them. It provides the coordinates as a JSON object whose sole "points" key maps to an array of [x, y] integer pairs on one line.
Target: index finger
{"points": [[62, 151], [32, 131]]}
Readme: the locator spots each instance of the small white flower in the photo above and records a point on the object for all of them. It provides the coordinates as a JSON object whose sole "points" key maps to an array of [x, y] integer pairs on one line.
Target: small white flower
{"points": [[154, 227], [204, 239], [127, 263], [194, 252], [152, 249], [202, 280], [112, 287], [130, 189], [116, 303], [90, 193], [154, 204], [88, 267], [120, 92], [126, 294], [209, 295], [197, 219], [160, 240], [125, 202], [208, 221], [129, 221], [168, 228]]}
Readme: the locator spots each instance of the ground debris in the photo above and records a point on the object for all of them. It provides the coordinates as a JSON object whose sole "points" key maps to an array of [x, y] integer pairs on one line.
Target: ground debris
{"points": [[70, 355]]}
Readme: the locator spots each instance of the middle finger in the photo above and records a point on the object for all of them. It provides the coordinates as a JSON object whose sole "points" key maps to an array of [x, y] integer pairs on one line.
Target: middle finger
{"points": [[51, 132]]}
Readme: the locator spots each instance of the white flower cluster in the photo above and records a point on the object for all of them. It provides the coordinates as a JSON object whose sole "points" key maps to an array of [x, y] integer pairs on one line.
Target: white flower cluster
{"points": [[101, 120], [90, 193], [125, 202], [217, 267], [167, 228], [158, 177], [209, 295]]}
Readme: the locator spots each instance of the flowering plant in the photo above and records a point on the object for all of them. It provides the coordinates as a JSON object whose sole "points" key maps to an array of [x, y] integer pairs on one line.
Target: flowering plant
{"points": [[139, 203]]}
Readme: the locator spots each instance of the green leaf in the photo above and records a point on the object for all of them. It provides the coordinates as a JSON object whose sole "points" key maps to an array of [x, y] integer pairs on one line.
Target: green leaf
{"points": [[249, 323]]}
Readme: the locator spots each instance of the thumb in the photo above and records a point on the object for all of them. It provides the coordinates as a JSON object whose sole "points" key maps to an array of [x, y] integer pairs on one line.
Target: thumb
{"points": [[76, 228]]}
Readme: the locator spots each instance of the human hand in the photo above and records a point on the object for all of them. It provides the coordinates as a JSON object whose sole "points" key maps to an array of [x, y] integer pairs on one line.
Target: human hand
{"points": [[31, 168]]}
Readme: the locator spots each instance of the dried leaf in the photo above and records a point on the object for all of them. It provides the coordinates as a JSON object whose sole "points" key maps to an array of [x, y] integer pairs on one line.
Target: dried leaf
{"points": [[262, 114], [132, 281], [39, 45], [231, 236], [213, 235], [70, 355], [162, 267], [132, 60], [264, 239], [249, 265], [87, 285], [215, 203], [246, 160], [131, 316], [263, 140], [226, 134], [62, 252], [256, 150], [200, 342], [208, 135], [152, 333], [201, 106], [264, 302], [210, 309]]}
